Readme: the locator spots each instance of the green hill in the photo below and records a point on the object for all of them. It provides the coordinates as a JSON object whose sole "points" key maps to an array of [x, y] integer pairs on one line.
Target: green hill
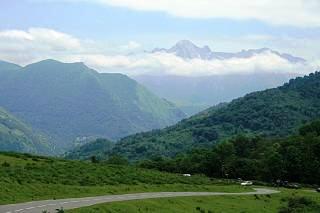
{"points": [[273, 112], [19, 137], [69, 100]]}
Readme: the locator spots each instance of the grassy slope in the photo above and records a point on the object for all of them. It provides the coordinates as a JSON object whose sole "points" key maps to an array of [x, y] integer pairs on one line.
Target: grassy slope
{"points": [[273, 112], [216, 204], [26, 178]]}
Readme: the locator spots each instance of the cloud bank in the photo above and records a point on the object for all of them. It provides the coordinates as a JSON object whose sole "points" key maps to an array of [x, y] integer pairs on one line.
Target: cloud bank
{"points": [[169, 64], [24, 47]]}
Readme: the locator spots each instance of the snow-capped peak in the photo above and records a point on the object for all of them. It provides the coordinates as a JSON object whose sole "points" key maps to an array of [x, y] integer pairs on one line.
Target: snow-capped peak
{"points": [[188, 50]]}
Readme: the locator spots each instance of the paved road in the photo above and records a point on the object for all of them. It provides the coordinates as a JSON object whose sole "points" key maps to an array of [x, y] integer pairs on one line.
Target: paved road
{"points": [[52, 205]]}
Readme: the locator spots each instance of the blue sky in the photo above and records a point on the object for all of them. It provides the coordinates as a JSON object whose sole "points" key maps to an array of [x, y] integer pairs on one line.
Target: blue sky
{"points": [[116, 23]]}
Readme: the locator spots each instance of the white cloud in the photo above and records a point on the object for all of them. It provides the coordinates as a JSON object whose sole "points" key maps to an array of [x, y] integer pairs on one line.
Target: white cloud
{"points": [[302, 13], [55, 40], [41, 37], [24, 47], [36, 43], [15, 35]]}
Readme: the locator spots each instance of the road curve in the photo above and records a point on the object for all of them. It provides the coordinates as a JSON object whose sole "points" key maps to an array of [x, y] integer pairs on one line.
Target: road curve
{"points": [[72, 203]]}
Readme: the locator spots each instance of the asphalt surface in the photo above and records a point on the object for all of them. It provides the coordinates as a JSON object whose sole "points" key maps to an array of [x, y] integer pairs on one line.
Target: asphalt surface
{"points": [[72, 203]]}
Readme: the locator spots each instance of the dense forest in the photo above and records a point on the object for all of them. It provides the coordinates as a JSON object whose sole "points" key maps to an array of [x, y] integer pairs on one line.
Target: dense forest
{"points": [[295, 158], [274, 112]]}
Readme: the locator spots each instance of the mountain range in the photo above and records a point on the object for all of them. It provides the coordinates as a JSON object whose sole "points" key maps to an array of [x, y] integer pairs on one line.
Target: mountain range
{"points": [[69, 101], [65, 105]]}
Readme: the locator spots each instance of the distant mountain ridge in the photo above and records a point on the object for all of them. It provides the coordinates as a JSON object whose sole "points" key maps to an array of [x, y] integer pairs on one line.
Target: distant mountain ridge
{"points": [[188, 50], [8, 66], [70, 100]]}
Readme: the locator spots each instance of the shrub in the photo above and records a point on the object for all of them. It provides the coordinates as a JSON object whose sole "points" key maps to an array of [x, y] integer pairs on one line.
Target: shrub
{"points": [[6, 164], [300, 204], [60, 210]]}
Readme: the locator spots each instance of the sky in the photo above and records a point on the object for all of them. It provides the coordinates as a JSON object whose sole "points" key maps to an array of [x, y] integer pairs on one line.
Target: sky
{"points": [[113, 35]]}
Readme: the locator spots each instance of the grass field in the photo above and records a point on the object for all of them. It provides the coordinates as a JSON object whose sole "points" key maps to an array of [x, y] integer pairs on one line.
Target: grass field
{"points": [[214, 204], [26, 178]]}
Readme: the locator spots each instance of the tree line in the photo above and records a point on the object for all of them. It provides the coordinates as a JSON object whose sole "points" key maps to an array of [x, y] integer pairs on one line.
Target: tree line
{"points": [[295, 158]]}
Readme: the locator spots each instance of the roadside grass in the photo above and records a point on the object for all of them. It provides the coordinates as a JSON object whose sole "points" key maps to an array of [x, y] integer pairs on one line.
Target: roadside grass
{"points": [[214, 204], [16, 193], [24, 177]]}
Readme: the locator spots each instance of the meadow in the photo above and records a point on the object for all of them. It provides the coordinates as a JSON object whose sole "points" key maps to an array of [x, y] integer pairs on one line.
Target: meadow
{"points": [[25, 177]]}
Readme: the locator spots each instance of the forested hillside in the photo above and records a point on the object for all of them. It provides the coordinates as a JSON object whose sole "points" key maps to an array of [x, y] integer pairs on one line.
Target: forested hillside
{"points": [[19, 137], [273, 112]]}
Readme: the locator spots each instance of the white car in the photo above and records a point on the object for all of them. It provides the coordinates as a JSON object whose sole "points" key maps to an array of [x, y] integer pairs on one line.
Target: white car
{"points": [[247, 183], [187, 175]]}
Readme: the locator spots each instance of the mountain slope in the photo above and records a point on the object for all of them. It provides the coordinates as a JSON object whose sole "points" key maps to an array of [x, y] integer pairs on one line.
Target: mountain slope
{"points": [[67, 101], [18, 137], [273, 112]]}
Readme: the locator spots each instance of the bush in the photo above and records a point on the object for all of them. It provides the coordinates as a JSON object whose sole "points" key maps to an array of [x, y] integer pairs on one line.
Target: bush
{"points": [[6, 164], [300, 204]]}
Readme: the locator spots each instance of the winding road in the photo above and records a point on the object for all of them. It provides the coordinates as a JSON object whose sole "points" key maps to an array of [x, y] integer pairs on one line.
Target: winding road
{"points": [[72, 203]]}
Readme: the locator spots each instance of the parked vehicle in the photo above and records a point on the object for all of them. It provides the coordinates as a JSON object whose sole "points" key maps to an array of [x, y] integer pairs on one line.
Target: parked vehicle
{"points": [[288, 185], [318, 189], [246, 183], [187, 175], [292, 186]]}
